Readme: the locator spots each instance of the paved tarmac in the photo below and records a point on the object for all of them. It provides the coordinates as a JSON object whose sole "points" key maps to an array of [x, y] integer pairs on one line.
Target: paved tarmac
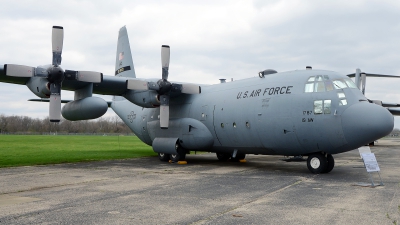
{"points": [[264, 190]]}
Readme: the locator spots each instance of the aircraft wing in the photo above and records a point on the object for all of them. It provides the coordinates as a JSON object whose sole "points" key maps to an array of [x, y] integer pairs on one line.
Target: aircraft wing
{"points": [[111, 85]]}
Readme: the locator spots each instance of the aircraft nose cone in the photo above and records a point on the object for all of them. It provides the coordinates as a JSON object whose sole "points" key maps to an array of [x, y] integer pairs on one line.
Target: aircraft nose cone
{"points": [[364, 123]]}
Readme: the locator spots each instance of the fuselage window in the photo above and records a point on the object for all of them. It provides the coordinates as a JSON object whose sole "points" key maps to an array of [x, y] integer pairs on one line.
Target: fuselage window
{"points": [[322, 106], [327, 106], [318, 107]]}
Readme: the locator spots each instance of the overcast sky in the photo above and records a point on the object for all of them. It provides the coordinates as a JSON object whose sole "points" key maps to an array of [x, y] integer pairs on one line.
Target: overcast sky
{"points": [[209, 40]]}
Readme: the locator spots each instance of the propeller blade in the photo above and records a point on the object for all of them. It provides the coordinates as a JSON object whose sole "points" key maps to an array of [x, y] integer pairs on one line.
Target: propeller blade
{"points": [[153, 86], [363, 80], [357, 78], [137, 85], [55, 103], [84, 76], [191, 89], [165, 55], [57, 44], [164, 111], [89, 76], [14, 70]]}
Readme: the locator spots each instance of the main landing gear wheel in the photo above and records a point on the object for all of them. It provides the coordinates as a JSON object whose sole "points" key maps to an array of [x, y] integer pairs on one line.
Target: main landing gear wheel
{"points": [[239, 156], [317, 163], [223, 156], [163, 157], [180, 156], [330, 163]]}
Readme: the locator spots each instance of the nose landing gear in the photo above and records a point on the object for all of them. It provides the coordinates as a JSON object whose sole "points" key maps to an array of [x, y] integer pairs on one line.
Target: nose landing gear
{"points": [[320, 163]]}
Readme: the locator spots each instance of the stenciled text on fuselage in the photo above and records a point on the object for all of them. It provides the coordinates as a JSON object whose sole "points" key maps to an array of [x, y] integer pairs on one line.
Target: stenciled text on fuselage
{"points": [[267, 91]]}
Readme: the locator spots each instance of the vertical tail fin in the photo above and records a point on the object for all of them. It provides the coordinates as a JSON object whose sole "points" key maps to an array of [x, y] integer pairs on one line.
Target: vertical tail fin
{"points": [[123, 62]]}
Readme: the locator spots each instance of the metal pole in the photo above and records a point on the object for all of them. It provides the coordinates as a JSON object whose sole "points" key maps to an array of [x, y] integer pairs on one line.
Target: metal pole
{"points": [[373, 185], [380, 178]]}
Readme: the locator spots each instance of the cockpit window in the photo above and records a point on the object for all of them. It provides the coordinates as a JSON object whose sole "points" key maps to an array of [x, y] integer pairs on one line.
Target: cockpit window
{"points": [[339, 84], [344, 83], [319, 83], [350, 83], [342, 98], [319, 86], [329, 85]]}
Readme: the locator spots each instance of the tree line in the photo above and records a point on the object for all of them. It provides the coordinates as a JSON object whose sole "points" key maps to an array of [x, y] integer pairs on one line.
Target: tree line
{"points": [[27, 125]]}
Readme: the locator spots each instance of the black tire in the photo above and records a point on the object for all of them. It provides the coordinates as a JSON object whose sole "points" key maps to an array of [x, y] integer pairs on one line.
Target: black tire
{"points": [[330, 163], [180, 156], [317, 163], [239, 156], [223, 156], [163, 157]]}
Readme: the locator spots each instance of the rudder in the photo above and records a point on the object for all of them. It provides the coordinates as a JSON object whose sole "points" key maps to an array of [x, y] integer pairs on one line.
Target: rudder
{"points": [[123, 62]]}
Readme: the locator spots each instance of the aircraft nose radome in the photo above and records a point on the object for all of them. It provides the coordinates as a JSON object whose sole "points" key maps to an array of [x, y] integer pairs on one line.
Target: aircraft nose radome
{"points": [[364, 123]]}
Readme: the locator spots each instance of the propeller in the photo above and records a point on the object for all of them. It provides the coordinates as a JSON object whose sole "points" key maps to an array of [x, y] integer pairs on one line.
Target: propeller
{"points": [[163, 87], [54, 73]]}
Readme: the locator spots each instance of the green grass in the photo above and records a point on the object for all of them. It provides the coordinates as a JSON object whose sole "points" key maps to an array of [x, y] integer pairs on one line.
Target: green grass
{"points": [[27, 150]]}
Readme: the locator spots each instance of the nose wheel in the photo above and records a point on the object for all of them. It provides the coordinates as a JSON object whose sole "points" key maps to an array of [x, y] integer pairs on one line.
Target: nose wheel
{"points": [[319, 163]]}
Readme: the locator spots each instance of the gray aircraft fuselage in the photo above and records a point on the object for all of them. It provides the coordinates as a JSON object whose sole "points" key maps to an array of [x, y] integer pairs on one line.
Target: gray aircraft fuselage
{"points": [[274, 115], [312, 113]]}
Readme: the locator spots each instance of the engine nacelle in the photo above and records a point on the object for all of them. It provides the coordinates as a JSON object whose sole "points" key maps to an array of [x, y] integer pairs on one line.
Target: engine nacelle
{"points": [[190, 133], [39, 87], [146, 99], [84, 109]]}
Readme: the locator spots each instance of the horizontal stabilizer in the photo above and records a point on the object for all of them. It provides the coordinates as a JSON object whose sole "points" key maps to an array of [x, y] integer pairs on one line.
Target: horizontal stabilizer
{"points": [[374, 75], [387, 104], [394, 111]]}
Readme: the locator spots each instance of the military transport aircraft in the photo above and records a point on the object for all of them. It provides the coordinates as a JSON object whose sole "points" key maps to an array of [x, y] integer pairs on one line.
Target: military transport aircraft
{"points": [[314, 113]]}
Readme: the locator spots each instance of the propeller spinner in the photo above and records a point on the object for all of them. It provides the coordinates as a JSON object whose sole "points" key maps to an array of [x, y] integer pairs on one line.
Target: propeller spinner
{"points": [[54, 74], [163, 87]]}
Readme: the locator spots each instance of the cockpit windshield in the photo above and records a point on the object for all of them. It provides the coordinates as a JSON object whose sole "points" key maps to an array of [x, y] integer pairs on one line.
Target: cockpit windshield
{"points": [[322, 83]]}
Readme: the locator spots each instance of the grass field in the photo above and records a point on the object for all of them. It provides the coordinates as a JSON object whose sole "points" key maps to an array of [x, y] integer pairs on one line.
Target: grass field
{"points": [[26, 150]]}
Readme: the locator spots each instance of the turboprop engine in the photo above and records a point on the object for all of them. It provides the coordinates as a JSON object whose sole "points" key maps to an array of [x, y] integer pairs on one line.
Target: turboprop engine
{"points": [[146, 99], [84, 109], [39, 86]]}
